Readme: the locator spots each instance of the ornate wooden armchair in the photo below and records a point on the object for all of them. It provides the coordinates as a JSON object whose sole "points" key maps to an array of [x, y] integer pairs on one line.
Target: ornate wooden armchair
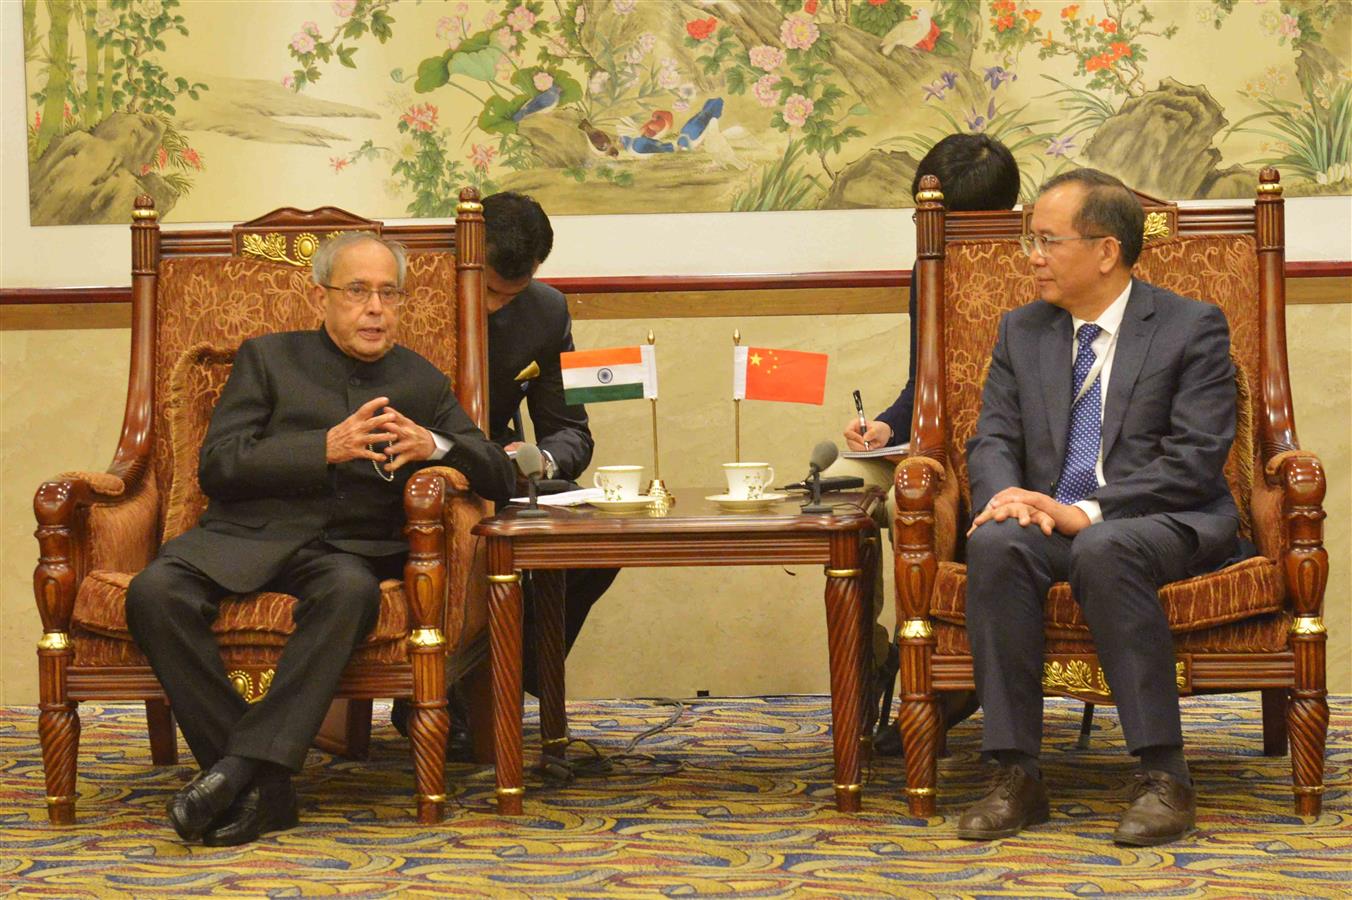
{"points": [[1255, 625], [196, 295]]}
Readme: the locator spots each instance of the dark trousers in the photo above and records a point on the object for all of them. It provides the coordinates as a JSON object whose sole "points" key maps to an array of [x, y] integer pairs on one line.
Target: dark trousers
{"points": [[170, 607], [1115, 569], [582, 588]]}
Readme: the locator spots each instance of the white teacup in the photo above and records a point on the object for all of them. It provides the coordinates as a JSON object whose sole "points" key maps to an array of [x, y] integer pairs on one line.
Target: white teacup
{"points": [[748, 480], [618, 482]]}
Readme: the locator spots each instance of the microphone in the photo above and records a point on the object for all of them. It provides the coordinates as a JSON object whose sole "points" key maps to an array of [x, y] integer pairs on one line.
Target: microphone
{"points": [[823, 455], [531, 464]]}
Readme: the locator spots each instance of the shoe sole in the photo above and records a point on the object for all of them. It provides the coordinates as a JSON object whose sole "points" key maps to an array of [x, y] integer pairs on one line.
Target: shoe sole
{"points": [[974, 834]]}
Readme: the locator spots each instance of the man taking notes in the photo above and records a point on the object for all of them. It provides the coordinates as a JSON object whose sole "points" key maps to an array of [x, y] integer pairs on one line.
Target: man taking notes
{"points": [[1106, 419], [305, 462]]}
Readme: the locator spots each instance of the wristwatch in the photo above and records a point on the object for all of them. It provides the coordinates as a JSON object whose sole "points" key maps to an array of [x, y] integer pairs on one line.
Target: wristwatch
{"points": [[550, 468]]}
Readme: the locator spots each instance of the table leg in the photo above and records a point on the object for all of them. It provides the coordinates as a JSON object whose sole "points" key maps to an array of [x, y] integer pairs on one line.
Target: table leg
{"points": [[845, 593], [504, 622], [547, 594]]}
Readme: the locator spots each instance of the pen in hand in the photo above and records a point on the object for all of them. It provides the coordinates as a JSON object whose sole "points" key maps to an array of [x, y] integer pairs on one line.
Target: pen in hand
{"points": [[863, 422]]}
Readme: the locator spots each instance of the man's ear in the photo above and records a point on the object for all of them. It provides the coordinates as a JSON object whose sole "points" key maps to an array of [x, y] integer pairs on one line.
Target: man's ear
{"points": [[317, 293], [1110, 254]]}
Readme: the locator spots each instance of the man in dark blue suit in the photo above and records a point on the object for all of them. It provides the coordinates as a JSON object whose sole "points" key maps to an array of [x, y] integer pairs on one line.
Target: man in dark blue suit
{"points": [[304, 463], [1106, 420]]}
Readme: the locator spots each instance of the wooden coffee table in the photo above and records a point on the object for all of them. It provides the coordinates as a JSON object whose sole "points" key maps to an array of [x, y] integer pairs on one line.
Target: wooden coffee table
{"points": [[693, 532]]}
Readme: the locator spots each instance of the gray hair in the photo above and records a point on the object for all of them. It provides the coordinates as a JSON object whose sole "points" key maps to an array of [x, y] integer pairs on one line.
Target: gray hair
{"points": [[330, 250]]}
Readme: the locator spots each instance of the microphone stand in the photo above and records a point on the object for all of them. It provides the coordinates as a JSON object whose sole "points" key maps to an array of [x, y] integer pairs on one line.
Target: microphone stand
{"points": [[533, 511], [815, 505]]}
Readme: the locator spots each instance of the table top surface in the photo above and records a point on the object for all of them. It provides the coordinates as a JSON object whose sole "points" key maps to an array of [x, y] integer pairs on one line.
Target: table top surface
{"points": [[692, 512]]}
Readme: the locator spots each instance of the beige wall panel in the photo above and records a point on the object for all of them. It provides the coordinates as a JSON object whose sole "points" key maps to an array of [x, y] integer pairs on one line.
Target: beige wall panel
{"points": [[658, 631], [61, 398]]}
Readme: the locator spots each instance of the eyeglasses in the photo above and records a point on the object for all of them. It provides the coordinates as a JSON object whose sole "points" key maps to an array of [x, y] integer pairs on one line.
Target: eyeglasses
{"points": [[360, 294], [1031, 242]]}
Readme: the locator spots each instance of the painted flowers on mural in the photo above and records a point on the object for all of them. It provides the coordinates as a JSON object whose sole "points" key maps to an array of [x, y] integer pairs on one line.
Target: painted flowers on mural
{"points": [[614, 105]]}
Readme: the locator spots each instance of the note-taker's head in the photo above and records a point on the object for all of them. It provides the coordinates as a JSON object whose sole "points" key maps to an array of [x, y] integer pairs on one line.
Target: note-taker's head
{"points": [[361, 279], [975, 171], [1085, 235], [518, 238]]}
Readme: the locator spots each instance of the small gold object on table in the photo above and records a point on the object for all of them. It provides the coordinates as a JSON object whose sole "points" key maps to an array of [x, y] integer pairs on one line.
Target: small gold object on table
{"points": [[657, 488]]}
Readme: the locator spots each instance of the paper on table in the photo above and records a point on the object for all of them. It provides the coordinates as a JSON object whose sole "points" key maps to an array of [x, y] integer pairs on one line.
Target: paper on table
{"points": [[567, 498], [876, 452]]}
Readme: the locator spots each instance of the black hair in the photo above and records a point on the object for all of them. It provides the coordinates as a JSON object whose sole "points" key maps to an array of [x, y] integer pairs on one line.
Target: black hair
{"points": [[517, 232], [975, 171], [1109, 208]]}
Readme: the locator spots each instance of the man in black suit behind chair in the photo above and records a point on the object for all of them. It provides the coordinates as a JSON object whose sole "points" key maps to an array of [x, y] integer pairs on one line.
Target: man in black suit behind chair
{"points": [[528, 327], [1106, 419], [304, 464]]}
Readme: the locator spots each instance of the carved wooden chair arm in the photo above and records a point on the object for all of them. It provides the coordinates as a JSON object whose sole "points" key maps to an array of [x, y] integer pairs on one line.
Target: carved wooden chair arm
{"points": [[440, 509], [918, 484], [86, 521], [1288, 507]]}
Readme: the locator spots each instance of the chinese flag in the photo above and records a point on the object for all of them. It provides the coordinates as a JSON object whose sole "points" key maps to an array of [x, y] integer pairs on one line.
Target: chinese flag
{"points": [[790, 376]]}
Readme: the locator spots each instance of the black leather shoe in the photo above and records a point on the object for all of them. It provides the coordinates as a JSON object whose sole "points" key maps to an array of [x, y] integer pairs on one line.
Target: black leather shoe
{"points": [[1015, 801], [193, 809], [1162, 809], [263, 807]]}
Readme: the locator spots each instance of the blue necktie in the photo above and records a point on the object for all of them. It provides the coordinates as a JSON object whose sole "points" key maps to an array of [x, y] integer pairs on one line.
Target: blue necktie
{"points": [[1079, 478]]}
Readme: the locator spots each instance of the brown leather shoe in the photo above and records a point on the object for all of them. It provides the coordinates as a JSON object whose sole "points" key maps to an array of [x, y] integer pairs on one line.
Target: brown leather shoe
{"points": [[1162, 809], [1015, 800]]}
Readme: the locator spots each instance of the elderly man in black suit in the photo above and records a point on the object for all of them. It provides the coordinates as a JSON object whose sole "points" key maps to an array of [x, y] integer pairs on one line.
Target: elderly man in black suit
{"points": [[1105, 424], [304, 464]]}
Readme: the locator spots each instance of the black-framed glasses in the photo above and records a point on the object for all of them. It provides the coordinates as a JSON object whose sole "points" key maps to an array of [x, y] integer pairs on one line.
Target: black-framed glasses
{"points": [[1043, 244], [359, 294]]}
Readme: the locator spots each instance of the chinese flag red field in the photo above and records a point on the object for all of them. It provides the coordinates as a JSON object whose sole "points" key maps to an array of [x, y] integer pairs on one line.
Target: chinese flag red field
{"points": [[790, 376]]}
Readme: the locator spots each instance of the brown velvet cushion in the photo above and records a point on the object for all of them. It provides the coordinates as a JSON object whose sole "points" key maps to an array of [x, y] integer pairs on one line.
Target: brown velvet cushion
{"points": [[195, 386], [1252, 587], [245, 624], [1260, 634], [984, 279]]}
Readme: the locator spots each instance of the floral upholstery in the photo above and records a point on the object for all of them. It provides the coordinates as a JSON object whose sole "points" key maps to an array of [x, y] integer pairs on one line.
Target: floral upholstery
{"points": [[984, 279]]}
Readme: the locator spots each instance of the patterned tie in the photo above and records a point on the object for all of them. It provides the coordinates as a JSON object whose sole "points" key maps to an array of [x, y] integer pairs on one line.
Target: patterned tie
{"points": [[1078, 476]]}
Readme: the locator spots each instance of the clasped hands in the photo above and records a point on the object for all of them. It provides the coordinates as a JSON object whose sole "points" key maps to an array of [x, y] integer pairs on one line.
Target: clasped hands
{"points": [[353, 437], [1032, 508]]}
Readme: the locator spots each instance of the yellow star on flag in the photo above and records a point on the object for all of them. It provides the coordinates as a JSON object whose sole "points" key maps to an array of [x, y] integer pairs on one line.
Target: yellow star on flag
{"points": [[755, 359]]}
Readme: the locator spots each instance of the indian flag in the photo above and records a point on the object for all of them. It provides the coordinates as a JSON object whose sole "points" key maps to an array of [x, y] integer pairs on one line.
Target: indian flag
{"points": [[617, 373]]}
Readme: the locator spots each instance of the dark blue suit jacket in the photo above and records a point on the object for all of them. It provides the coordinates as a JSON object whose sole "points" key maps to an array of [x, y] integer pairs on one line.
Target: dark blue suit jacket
{"points": [[1168, 418]]}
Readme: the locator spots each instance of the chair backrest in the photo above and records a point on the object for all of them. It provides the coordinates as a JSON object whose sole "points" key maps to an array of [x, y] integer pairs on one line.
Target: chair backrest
{"points": [[197, 295], [971, 270]]}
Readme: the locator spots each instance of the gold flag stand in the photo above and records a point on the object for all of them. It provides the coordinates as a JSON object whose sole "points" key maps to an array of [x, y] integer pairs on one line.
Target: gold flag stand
{"points": [[657, 488], [736, 408]]}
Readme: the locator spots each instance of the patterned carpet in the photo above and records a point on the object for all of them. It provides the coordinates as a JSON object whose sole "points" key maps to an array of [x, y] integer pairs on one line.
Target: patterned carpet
{"points": [[748, 814]]}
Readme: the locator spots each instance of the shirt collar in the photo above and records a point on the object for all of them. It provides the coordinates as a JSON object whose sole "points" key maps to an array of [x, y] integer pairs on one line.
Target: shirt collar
{"points": [[1110, 320]]}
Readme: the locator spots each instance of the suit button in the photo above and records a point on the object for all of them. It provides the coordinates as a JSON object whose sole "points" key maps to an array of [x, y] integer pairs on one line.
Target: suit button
{"points": [[354, 380]]}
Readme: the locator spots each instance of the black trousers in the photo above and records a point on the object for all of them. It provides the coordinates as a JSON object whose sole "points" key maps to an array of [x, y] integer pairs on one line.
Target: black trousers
{"points": [[170, 607], [1115, 569], [582, 588]]}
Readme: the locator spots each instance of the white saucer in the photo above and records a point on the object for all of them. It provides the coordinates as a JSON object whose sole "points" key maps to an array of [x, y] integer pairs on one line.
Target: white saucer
{"points": [[746, 504], [633, 504]]}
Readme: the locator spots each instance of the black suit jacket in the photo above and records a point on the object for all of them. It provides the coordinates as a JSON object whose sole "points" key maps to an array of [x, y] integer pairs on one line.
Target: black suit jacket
{"points": [[535, 328], [1168, 418], [263, 462]]}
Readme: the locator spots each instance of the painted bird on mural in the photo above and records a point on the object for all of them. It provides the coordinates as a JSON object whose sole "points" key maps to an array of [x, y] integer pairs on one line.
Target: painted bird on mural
{"points": [[601, 142], [693, 130], [919, 32], [539, 103], [659, 122]]}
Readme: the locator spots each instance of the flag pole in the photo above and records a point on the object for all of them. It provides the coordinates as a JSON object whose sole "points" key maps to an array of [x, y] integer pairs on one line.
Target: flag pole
{"points": [[657, 488], [736, 410]]}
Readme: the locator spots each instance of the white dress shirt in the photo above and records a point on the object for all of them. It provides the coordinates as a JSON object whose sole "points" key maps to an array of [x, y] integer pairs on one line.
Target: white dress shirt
{"points": [[1105, 348]]}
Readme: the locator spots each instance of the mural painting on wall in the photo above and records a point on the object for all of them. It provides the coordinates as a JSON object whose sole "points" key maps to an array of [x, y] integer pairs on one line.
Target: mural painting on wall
{"points": [[220, 111]]}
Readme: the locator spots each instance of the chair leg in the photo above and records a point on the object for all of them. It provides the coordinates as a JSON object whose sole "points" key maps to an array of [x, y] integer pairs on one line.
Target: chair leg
{"points": [[429, 728], [163, 739], [1086, 726], [1274, 721], [59, 734], [477, 684], [1307, 721]]}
